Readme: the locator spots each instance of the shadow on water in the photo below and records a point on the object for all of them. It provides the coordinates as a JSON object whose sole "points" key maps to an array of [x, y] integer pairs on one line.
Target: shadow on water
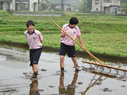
{"points": [[88, 81]]}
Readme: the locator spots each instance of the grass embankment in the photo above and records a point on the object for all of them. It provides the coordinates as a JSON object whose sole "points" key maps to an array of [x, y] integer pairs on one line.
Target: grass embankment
{"points": [[101, 34]]}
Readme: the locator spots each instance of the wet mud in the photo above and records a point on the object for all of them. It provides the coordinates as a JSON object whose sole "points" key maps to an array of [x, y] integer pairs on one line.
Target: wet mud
{"points": [[16, 76], [104, 57]]}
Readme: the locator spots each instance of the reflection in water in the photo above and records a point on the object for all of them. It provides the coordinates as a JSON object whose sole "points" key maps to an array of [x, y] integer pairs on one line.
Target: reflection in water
{"points": [[102, 76], [97, 81], [70, 90], [34, 88], [13, 54]]}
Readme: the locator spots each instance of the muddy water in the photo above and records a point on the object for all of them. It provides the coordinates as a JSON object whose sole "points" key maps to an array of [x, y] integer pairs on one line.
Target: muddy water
{"points": [[15, 76]]}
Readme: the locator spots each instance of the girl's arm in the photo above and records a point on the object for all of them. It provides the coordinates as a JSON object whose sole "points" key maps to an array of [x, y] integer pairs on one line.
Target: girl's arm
{"points": [[81, 41]]}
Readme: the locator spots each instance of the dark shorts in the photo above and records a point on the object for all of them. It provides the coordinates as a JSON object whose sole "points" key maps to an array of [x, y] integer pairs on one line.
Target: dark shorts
{"points": [[34, 56], [70, 50]]}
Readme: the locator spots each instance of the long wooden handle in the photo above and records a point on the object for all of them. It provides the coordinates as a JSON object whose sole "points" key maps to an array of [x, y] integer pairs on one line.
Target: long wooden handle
{"points": [[78, 43], [105, 66]]}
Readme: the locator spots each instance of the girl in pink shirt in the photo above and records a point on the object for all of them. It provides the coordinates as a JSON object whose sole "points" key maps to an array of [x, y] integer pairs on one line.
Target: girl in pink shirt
{"points": [[34, 38], [67, 44]]}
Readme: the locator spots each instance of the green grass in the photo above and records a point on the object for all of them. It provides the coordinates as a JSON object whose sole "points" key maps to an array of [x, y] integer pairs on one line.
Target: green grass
{"points": [[101, 34]]}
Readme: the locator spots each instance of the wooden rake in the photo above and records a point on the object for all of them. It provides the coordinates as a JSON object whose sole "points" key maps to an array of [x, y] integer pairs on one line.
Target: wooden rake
{"points": [[91, 55]]}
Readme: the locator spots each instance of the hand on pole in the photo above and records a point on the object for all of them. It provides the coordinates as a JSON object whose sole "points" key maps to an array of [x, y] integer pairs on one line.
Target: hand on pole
{"points": [[63, 34]]}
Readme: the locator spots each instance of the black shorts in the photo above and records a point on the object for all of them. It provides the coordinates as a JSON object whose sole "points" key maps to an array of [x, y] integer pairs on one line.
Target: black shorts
{"points": [[70, 50], [34, 56]]}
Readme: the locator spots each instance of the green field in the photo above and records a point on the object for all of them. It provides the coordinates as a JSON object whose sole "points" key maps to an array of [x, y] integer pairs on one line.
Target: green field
{"points": [[101, 34]]}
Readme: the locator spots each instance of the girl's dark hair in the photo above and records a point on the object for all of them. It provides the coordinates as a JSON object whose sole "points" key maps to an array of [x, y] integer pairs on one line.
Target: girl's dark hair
{"points": [[73, 20], [30, 22]]}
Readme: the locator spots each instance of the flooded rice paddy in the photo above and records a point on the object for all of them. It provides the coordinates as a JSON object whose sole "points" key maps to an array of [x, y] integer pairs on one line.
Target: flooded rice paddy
{"points": [[15, 76]]}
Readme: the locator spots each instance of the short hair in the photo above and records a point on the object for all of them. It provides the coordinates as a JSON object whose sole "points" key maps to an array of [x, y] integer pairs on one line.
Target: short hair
{"points": [[73, 20], [30, 22]]}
